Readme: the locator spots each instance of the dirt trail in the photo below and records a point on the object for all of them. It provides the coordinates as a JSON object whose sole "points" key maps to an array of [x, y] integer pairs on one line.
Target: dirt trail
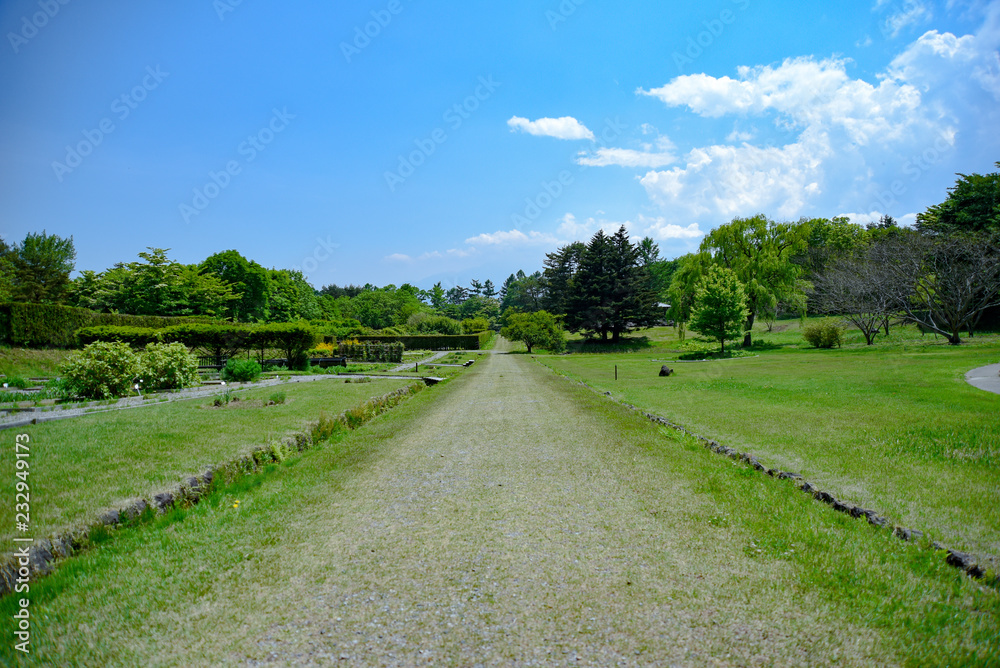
{"points": [[513, 523]]}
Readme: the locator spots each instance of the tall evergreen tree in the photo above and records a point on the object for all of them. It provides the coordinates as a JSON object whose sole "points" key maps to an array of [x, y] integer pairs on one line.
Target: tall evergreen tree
{"points": [[610, 291], [559, 269]]}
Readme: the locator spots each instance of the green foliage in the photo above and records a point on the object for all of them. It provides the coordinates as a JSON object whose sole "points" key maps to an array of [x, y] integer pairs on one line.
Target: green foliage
{"points": [[386, 307], [824, 333], [137, 337], [102, 370], [167, 366], [611, 290], [278, 398], [38, 269], [429, 342], [155, 286], [16, 381], [760, 251], [248, 282], [973, 205], [539, 328], [475, 325], [241, 371], [560, 267], [54, 326], [720, 306], [425, 323]]}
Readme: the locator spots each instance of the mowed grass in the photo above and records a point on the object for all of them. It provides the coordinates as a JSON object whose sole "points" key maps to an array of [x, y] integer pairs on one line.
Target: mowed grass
{"points": [[749, 570], [893, 427], [82, 465]]}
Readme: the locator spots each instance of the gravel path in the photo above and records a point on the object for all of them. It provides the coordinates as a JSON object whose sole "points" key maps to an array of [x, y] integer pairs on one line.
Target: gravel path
{"points": [[512, 524]]}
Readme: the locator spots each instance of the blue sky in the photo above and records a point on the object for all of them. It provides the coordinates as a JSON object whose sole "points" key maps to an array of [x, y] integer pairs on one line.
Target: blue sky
{"points": [[415, 141]]}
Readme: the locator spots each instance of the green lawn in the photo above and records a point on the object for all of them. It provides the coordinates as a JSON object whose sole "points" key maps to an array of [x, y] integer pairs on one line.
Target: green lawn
{"points": [[388, 540], [893, 427], [82, 465], [29, 363]]}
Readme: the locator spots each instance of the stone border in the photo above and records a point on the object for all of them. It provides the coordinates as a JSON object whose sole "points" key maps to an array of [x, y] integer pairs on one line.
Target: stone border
{"points": [[961, 560], [40, 559]]}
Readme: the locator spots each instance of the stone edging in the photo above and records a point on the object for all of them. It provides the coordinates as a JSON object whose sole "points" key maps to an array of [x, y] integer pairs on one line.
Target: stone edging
{"points": [[40, 559], [961, 560]]}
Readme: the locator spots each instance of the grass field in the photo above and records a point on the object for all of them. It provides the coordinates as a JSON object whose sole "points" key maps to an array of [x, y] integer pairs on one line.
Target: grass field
{"points": [[893, 427], [510, 517], [82, 465]]}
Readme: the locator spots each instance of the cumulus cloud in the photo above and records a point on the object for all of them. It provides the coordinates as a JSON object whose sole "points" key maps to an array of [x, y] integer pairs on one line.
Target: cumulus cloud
{"points": [[510, 238], [802, 92], [661, 229], [849, 141], [566, 127], [624, 157]]}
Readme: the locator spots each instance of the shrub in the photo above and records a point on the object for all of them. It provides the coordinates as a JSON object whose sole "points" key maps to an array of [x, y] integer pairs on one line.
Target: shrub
{"points": [[167, 366], [137, 337], [278, 398], [475, 325], [823, 334], [101, 370], [425, 323], [16, 381], [242, 371]]}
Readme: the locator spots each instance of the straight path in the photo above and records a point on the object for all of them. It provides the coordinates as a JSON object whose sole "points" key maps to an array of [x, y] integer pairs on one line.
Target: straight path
{"points": [[514, 523]]}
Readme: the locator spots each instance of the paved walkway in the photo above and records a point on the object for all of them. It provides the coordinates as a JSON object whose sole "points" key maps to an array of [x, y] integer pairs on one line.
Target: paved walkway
{"points": [[985, 378]]}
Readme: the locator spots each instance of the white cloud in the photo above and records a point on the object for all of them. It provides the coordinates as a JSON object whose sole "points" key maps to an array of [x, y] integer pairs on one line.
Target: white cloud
{"points": [[662, 230], [398, 257], [510, 238], [726, 181], [571, 229], [624, 157], [854, 145], [912, 12], [803, 93], [566, 127]]}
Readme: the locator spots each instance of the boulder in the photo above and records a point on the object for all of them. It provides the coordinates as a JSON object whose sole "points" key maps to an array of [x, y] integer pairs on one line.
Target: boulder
{"points": [[665, 370]]}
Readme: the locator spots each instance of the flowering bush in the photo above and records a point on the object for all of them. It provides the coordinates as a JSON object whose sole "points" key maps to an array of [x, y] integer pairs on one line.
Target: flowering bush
{"points": [[101, 370], [167, 366]]}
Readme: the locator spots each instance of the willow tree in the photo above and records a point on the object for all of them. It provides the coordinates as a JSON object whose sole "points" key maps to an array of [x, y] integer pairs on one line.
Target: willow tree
{"points": [[760, 252]]}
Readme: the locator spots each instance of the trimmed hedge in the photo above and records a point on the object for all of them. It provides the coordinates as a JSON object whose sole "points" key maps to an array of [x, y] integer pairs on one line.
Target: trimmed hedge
{"points": [[137, 337], [54, 326], [369, 351], [434, 342], [220, 341]]}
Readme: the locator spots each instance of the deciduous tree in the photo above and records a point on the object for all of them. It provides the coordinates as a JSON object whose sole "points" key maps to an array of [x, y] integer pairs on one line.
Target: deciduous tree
{"points": [[720, 306]]}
